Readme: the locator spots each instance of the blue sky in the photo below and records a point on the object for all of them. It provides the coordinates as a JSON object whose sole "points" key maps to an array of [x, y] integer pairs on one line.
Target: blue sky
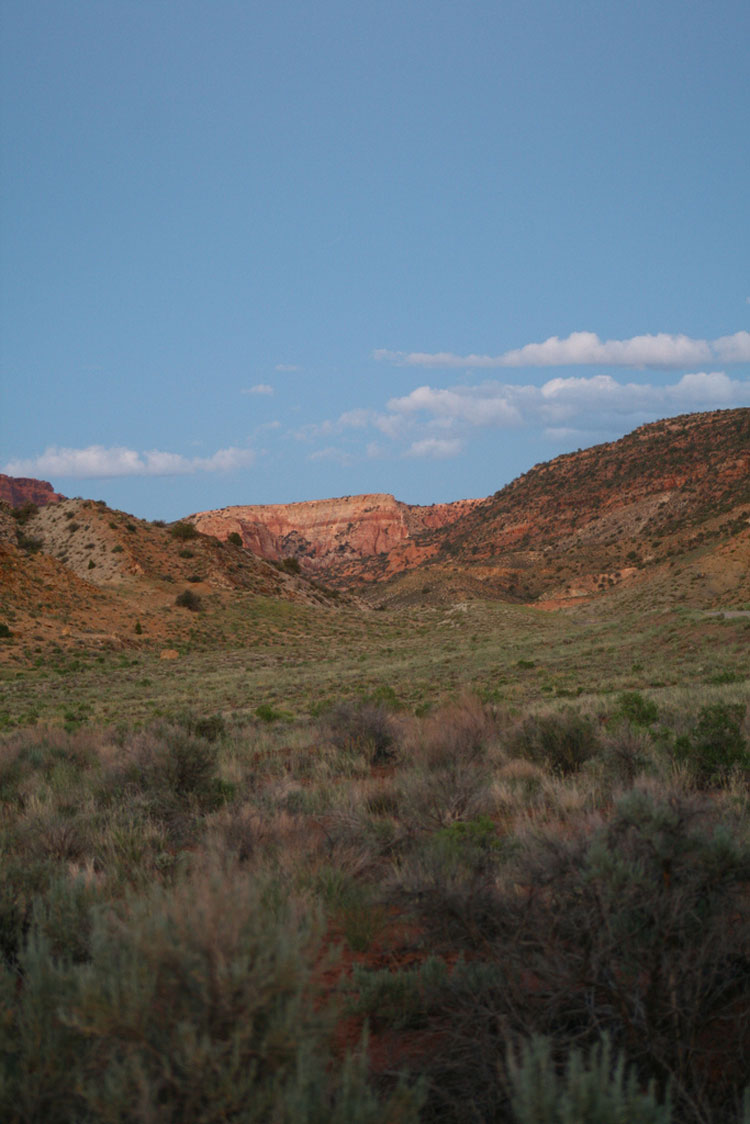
{"points": [[258, 253]]}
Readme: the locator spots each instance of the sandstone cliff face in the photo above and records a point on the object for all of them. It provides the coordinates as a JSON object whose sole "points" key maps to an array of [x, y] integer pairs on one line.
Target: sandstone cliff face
{"points": [[328, 534], [18, 490]]}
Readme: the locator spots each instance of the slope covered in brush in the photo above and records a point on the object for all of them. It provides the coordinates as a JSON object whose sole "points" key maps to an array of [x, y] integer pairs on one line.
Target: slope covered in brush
{"points": [[588, 520]]}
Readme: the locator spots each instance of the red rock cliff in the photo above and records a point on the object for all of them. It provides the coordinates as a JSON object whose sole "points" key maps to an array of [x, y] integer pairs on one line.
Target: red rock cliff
{"points": [[18, 490], [328, 533]]}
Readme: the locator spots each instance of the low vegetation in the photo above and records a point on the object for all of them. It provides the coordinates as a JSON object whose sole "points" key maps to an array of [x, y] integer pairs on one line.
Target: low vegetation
{"points": [[275, 852], [530, 915]]}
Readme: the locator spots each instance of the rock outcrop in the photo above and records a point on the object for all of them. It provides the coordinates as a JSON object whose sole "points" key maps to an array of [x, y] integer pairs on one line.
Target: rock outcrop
{"points": [[328, 535], [18, 490]]}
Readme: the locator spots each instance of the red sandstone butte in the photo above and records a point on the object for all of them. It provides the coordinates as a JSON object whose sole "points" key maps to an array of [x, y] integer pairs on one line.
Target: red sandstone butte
{"points": [[18, 490], [326, 533]]}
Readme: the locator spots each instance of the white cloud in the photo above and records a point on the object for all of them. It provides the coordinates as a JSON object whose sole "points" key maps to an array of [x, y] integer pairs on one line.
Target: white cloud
{"points": [[470, 404], [435, 447], [733, 349], [713, 389], [287, 367], [435, 421], [96, 461], [223, 460], [585, 348], [565, 403], [355, 419], [259, 388]]}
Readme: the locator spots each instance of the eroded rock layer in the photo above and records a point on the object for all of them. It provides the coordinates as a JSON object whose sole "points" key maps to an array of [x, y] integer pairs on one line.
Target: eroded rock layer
{"points": [[328, 535]]}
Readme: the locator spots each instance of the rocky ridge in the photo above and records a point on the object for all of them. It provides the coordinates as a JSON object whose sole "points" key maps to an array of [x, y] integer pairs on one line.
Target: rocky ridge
{"points": [[329, 537]]}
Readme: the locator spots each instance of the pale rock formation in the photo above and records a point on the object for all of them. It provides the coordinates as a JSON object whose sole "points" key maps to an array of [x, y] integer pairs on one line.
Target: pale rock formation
{"points": [[326, 534]]}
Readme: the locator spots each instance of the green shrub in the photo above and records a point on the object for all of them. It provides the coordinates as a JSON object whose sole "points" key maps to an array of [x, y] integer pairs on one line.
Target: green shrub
{"points": [[23, 513], [634, 708], [352, 906], [266, 712], [199, 1003], [401, 999], [5, 633], [562, 742], [29, 544], [188, 599], [212, 727], [361, 726], [465, 837], [640, 928], [716, 746], [291, 565], [385, 695], [178, 763], [234, 538], [594, 1089], [183, 531]]}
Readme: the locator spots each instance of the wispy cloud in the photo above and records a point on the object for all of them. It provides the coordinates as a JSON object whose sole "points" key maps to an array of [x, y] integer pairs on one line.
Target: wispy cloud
{"points": [[437, 448], [338, 456], [259, 388], [585, 349], [97, 461], [287, 367], [585, 403]]}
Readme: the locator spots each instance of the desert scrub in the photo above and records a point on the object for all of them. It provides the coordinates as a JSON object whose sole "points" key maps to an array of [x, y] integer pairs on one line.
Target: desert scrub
{"points": [[351, 904], [418, 997], [452, 754], [183, 531], [594, 1088], [560, 741], [639, 927], [182, 762], [634, 708], [189, 599], [361, 727], [198, 1003], [716, 747]]}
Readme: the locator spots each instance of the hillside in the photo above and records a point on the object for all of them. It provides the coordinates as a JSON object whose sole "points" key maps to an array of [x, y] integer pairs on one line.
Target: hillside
{"points": [[662, 516], [77, 574], [590, 521]]}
